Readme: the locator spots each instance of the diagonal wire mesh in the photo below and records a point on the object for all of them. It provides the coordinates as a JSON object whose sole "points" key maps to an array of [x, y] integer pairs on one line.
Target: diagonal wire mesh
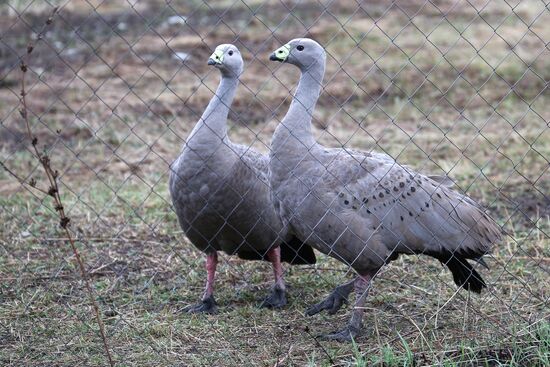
{"points": [[455, 88]]}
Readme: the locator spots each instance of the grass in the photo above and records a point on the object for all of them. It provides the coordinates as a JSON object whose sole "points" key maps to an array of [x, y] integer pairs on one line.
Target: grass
{"points": [[113, 107]]}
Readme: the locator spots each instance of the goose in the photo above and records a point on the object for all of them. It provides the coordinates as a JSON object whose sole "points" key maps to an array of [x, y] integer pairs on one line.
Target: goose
{"points": [[220, 192], [363, 208]]}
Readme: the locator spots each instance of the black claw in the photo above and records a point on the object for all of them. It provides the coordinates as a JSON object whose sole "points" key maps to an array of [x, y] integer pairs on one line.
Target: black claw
{"points": [[332, 303], [315, 309], [276, 299], [207, 305], [346, 335], [338, 302]]}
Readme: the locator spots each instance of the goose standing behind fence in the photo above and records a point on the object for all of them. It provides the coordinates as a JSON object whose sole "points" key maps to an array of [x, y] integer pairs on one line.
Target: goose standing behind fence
{"points": [[365, 209], [221, 194]]}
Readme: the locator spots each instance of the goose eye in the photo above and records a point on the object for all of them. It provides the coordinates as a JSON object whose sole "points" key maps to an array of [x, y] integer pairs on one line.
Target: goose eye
{"points": [[300, 48], [230, 53]]}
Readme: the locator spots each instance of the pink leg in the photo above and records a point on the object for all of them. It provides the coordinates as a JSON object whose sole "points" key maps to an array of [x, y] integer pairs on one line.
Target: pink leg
{"points": [[274, 256], [277, 298], [211, 263], [361, 287], [207, 303]]}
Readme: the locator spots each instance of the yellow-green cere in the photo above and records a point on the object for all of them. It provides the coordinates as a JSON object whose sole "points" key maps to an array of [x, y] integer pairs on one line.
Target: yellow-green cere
{"points": [[217, 56], [282, 52]]}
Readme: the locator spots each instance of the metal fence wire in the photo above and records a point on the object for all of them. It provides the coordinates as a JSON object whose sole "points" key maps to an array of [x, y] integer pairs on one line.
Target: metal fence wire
{"points": [[456, 89]]}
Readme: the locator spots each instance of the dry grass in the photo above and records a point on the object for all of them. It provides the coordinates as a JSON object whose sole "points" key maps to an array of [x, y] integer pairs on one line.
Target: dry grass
{"points": [[113, 106]]}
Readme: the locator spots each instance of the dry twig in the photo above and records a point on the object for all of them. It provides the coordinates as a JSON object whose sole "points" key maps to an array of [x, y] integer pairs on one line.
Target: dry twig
{"points": [[53, 189]]}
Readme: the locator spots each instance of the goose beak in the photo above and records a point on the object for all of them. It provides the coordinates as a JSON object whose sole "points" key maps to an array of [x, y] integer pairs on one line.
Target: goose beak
{"points": [[216, 58], [281, 54]]}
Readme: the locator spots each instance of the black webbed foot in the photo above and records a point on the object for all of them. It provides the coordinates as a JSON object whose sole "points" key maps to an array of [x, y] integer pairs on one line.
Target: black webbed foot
{"points": [[276, 299], [207, 305], [333, 302], [345, 335]]}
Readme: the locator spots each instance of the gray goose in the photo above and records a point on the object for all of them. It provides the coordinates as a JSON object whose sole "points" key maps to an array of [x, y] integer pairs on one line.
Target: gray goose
{"points": [[220, 192], [362, 208]]}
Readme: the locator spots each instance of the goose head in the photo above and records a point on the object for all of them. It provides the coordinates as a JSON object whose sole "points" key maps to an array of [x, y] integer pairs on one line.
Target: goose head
{"points": [[228, 59], [302, 52]]}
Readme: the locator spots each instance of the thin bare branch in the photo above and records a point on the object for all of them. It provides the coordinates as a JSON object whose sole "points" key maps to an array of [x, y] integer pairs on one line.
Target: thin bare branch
{"points": [[53, 189]]}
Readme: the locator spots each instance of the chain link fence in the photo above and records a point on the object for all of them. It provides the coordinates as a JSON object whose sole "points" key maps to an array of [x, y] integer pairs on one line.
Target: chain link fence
{"points": [[455, 88]]}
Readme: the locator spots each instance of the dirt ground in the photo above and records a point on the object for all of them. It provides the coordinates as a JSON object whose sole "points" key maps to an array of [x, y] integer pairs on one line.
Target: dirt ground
{"points": [[447, 87]]}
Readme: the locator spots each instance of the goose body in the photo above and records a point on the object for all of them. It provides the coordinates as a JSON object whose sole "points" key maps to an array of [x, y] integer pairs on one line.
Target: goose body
{"points": [[220, 192], [216, 201], [362, 208]]}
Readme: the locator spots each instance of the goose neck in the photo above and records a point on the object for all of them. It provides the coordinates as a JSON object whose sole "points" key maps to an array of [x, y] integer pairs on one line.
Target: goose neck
{"points": [[213, 122], [301, 109], [295, 128]]}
